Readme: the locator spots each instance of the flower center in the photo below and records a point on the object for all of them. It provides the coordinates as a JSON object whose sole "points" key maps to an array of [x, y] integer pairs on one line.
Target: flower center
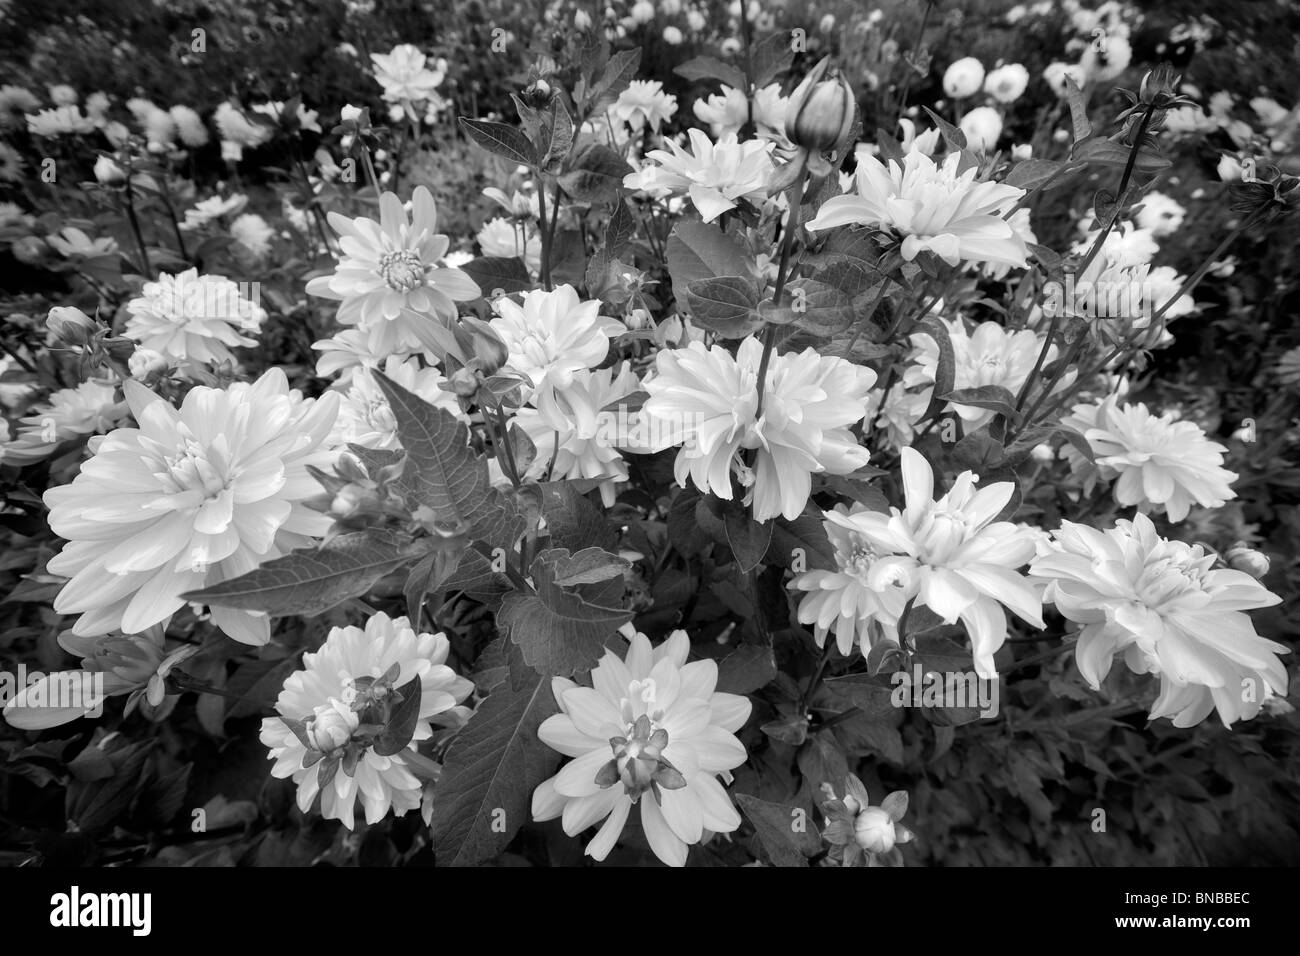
{"points": [[639, 764], [193, 468], [402, 270]]}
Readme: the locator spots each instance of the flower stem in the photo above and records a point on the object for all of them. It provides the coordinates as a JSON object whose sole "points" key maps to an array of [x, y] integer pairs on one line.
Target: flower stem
{"points": [[782, 273]]}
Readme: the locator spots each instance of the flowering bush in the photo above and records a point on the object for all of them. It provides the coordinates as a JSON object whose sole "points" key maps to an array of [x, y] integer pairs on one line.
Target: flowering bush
{"points": [[680, 432]]}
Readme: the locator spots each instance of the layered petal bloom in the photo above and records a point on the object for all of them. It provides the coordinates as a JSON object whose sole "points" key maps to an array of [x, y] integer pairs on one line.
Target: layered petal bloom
{"points": [[948, 555], [365, 417], [1170, 612], [504, 239], [131, 665], [404, 75], [573, 437], [194, 318], [988, 355], [186, 499], [553, 335], [707, 400], [388, 281], [643, 103], [931, 207], [1160, 463], [717, 177], [651, 730], [89, 409], [341, 688]]}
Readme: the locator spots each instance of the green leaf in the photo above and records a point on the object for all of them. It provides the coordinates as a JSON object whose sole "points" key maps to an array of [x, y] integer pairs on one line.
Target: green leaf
{"points": [[749, 668], [312, 580], [401, 722], [801, 543], [979, 452], [557, 134], [711, 68], [786, 832], [562, 632], [1106, 152], [995, 398], [595, 174], [619, 72], [443, 474], [820, 308], [488, 778], [498, 276], [572, 521], [871, 695], [1031, 173], [953, 136], [946, 370], [501, 140], [1078, 111], [749, 539], [698, 250], [589, 566], [770, 57], [727, 305]]}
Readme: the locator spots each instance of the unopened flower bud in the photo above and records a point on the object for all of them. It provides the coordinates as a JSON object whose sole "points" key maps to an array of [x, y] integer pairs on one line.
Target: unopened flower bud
{"points": [[464, 382], [146, 363], [70, 325], [332, 725], [820, 114], [874, 830], [350, 113], [109, 173], [1242, 558], [489, 350]]}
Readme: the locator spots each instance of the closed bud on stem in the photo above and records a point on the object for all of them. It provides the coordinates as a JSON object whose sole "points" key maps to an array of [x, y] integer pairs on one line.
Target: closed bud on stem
{"points": [[1242, 558], [820, 113], [874, 830], [109, 173], [70, 325], [489, 350]]}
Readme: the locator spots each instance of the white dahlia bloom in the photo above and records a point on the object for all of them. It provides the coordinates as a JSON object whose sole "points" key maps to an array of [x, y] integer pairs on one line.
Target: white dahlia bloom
{"points": [[1161, 463], [931, 207], [1164, 605], [1007, 83], [389, 281], [948, 555], [238, 129], [60, 121], [404, 75], [349, 350], [345, 687], [651, 730], [717, 177], [1160, 213], [252, 232], [365, 417], [848, 600], [643, 103], [189, 126], [91, 408], [573, 438], [983, 128], [274, 111], [963, 78], [193, 318], [502, 238], [187, 499], [707, 398], [553, 335], [725, 112], [214, 207], [990, 355]]}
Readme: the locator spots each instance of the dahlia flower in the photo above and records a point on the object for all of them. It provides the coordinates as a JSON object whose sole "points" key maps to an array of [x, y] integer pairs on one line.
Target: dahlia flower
{"points": [[931, 207], [1162, 214], [948, 555], [982, 127], [651, 730], [990, 355], [187, 499], [846, 601], [303, 117], [553, 335], [89, 409], [189, 125], [727, 112], [193, 318], [238, 129], [131, 665], [573, 437], [717, 177], [1007, 83], [405, 77], [214, 207], [389, 280], [504, 239], [252, 233], [859, 833], [707, 398], [1161, 463], [963, 78], [321, 738], [349, 349], [1165, 606], [60, 121], [364, 415], [643, 103]]}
